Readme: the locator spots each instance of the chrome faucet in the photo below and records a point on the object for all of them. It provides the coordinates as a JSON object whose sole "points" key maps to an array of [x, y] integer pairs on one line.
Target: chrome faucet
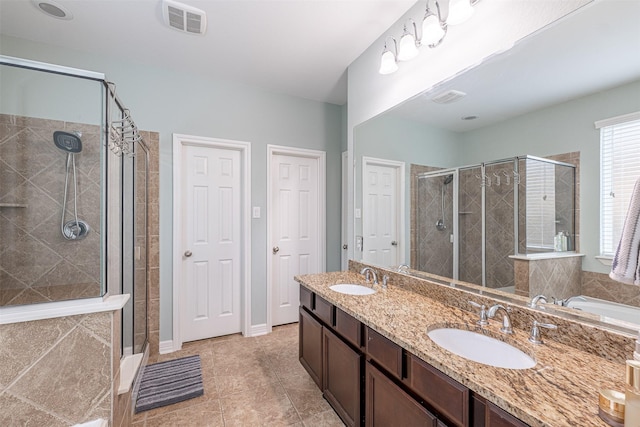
{"points": [[403, 268], [535, 331], [535, 300], [506, 320], [368, 272], [565, 302]]}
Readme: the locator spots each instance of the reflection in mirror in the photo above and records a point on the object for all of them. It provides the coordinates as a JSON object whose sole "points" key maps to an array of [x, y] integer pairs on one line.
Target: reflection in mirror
{"points": [[541, 99]]}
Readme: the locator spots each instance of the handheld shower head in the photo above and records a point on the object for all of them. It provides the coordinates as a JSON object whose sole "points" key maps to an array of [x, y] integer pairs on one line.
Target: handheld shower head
{"points": [[67, 142]]}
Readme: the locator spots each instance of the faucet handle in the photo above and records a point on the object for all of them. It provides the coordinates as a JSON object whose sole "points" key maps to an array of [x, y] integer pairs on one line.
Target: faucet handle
{"points": [[483, 321], [385, 281], [535, 331]]}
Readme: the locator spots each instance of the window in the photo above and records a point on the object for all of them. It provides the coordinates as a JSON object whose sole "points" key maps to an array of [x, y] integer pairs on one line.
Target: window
{"points": [[541, 204], [619, 170]]}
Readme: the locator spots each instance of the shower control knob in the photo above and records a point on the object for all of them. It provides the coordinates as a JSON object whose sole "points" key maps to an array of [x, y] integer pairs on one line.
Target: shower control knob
{"points": [[188, 253]]}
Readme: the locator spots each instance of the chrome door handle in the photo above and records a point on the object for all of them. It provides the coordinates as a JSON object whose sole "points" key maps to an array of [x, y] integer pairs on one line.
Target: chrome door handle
{"points": [[394, 243], [188, 253], [276, 250]]}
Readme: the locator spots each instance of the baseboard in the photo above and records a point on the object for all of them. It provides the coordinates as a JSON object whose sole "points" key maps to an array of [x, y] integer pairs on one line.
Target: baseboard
{"points": [[256, 330], [166, 347]]}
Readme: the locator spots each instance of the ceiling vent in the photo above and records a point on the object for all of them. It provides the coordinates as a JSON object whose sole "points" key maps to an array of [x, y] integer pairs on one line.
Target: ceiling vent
{"points": [[183, 17], [448, 97]]}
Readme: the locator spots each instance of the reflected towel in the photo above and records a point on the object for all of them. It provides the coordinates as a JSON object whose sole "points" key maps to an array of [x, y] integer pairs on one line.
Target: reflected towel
{"points": [[626, 262]]}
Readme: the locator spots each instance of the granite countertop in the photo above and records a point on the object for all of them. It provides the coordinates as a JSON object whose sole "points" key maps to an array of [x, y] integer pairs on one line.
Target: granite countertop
{"points": [[561, 390]]}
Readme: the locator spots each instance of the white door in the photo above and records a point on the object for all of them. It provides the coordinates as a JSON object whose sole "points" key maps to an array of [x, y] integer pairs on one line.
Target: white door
{"points": [[296, 229], [211, 227], [382, 212]]}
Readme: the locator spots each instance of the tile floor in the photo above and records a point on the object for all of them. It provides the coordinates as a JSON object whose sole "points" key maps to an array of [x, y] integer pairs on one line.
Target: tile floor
{"points": [[254, 381]]}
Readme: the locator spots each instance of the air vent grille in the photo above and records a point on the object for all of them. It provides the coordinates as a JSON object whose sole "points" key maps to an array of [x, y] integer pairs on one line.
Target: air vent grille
{"points": [[448, 97], [183, 17]]}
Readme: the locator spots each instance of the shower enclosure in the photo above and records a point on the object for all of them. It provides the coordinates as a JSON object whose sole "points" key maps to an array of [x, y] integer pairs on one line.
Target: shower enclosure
{"points": [[73, 192], [470, 220]]}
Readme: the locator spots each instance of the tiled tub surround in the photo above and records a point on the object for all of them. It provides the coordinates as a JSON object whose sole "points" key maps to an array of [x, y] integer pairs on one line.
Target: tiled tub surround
{"points": [[598, 285], [36, 263], [573, 364], [554, 275], [57, 372]]}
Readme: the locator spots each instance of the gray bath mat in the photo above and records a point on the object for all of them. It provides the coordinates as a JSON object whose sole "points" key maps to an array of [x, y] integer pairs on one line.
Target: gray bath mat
{"points": [[170, 382]]}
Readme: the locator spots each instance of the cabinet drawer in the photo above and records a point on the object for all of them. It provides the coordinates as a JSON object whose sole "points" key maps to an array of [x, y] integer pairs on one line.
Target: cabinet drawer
{"points": [[349, 328], [497, 417], [306, 298], [445, 395], [324, 310], [388, 405], [384, 351]]}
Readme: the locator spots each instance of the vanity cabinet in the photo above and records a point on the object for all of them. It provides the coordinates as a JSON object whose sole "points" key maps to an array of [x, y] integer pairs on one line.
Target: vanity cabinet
{"points": [[388, 405], [370, 380], [342, 377]]}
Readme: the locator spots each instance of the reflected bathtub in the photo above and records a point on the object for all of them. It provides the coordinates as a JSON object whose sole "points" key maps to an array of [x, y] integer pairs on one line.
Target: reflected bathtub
{"points": [[608, 311]]}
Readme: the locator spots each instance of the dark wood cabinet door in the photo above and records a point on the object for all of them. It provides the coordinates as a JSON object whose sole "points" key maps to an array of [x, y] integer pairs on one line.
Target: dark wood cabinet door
{"points": [[342, 373], [388, 405], [497, 417], [310, 346]]}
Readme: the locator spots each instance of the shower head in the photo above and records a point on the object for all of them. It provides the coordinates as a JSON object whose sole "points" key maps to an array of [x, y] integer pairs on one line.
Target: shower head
{"points": [[448, 179], [68, 142]]}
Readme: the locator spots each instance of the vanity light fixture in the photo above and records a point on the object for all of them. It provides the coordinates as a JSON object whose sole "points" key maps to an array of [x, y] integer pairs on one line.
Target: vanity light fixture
{"points": [[409, 43], [459, 11], [433, 28], [388, 62]]}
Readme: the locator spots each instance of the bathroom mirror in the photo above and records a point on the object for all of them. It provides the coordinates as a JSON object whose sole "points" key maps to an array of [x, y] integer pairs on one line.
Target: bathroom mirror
{"points": [[540, 98]]}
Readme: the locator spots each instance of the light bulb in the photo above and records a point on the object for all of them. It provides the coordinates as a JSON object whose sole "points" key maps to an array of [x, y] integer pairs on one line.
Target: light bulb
{"points": [[388, 63], [407, 48], [432, 31], [459, 11]]}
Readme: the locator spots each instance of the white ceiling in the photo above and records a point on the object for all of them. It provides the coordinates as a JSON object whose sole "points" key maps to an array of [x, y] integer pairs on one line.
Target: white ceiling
{"points": [[297, 47], [595, 49]]}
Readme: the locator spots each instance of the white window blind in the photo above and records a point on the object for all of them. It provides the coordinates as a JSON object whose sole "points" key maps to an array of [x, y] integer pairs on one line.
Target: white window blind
{"points": [[619, 170], [541, 204]]}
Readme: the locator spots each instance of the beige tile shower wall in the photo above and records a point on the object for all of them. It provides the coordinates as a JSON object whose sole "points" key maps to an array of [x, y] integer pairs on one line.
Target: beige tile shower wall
{"points": [[599, 285], [415, 170], [36, 263], [56, 372], [152, 139]]}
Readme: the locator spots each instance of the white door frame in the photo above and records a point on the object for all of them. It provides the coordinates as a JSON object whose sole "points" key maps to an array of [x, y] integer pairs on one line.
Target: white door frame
{"points": [[344, 254], [180, 140], [400, 190], [273, 150]]}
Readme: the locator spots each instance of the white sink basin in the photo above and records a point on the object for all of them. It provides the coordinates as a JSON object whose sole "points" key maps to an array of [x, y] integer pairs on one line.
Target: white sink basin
{"points": [[481, 348], [352, 289]]}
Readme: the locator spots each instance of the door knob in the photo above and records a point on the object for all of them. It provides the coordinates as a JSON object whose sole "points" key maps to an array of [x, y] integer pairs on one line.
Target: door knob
{"points": [[345, 247], [188, 253], [276, 249], [394, 243]]}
